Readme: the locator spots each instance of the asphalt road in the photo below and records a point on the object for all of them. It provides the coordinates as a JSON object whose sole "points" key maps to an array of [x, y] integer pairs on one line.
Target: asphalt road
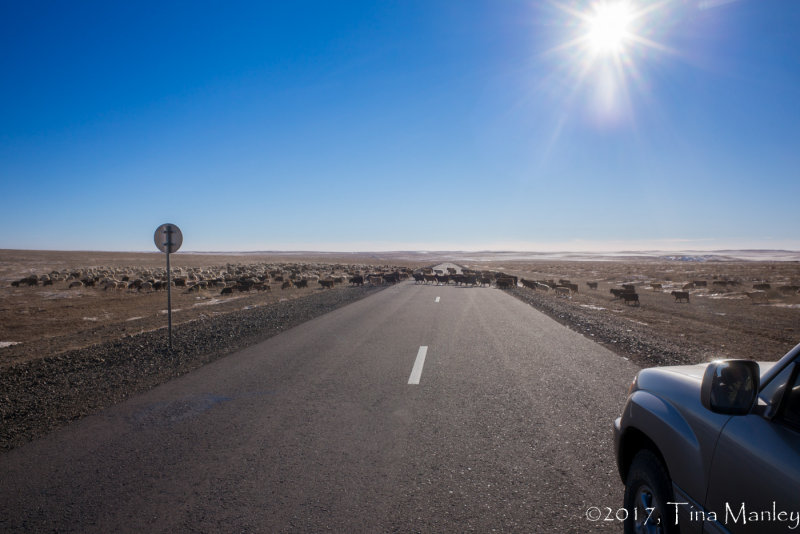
{"points": [[318, 429]]}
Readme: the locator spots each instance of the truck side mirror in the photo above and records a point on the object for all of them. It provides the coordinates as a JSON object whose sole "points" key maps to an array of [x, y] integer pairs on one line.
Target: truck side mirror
{"points": [[730, 386]]}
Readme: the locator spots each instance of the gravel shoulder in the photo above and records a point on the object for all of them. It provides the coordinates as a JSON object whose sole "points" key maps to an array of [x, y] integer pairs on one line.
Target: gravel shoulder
{"points": [[655, 334], [42, 394], [633, 341]]}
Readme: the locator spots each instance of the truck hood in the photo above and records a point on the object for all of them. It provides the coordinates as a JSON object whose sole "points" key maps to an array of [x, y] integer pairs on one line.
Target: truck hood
{"points": [[695, 372]]}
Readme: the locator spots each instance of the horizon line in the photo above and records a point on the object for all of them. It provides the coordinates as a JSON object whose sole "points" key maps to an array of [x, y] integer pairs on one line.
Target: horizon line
{"points": [[427, 251]]}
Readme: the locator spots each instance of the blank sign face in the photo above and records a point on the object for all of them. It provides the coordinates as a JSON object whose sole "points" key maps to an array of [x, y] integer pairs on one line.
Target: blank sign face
{"points": [[168, 238]]}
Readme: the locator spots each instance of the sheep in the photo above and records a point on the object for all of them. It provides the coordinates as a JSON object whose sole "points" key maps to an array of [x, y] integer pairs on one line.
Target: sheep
{"points": [[631, 297], [681, 295], [391, 278], [505, 282]]}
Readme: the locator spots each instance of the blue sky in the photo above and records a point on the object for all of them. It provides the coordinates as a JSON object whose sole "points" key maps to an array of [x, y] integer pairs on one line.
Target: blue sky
{"points": [[399, 125]]}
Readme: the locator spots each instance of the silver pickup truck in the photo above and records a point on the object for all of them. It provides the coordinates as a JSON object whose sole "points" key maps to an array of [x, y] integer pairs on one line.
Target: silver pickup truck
{"points": [[712, 448]]}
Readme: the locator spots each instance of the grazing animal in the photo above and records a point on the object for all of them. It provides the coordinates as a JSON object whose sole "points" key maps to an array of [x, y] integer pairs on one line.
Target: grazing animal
{"points": [[358, 280], [109, 284], [656, 287], [300, 283], [326, 284], [530, 284], [286, 285], [471, 279], [244, 285], [700, 283], [503, 275], [572, 287], [226, 291], [505, 282], [631, 298], [681, 295], [592, 285], [688, 286], [761, 287], [618, 292], [419, 277], [391, 278]]}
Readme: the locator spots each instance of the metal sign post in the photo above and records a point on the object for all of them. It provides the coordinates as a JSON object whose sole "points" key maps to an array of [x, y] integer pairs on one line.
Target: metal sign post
{"points": [[168, 238]]}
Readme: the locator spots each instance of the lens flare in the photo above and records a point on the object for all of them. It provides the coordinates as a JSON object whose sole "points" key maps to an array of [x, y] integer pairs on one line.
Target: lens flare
{"points": [[600, 57]]}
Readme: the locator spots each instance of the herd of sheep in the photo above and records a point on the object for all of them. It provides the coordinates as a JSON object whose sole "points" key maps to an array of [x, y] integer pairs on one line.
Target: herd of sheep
{"points": [[466, 277], [225, 279], [627, 292], [232, 278]]}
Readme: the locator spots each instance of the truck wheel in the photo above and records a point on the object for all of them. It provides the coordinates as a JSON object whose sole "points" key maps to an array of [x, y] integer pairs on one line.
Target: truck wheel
{"points": [[648, 489]]}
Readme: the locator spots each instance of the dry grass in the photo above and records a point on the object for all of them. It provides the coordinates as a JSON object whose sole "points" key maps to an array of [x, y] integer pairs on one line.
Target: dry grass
{"points": [[45, 320]]}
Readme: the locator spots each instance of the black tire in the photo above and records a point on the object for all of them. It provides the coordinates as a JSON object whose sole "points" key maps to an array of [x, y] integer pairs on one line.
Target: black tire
{"points": [[648, 486]]}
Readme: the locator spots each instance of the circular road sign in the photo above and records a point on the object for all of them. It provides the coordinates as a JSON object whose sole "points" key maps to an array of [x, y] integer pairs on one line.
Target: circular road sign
{"points": [[168, 238]]}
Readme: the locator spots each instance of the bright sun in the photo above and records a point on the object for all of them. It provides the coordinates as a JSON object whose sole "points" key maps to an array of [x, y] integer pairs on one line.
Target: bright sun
{"points": [[602, 54], [608, 28]]}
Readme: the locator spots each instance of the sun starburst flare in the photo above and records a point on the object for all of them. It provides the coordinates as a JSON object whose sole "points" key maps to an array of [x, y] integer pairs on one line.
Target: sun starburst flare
{"points": [[608, 28], [605, 42]]}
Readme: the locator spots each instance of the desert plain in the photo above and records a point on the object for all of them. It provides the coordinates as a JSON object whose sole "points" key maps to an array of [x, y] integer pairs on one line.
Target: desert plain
{"points": [[725, 317], [66, 352]]}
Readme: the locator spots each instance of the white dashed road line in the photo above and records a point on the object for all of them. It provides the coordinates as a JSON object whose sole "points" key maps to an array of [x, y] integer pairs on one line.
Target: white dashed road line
{"points": [[416, 372], [437, 299]]}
